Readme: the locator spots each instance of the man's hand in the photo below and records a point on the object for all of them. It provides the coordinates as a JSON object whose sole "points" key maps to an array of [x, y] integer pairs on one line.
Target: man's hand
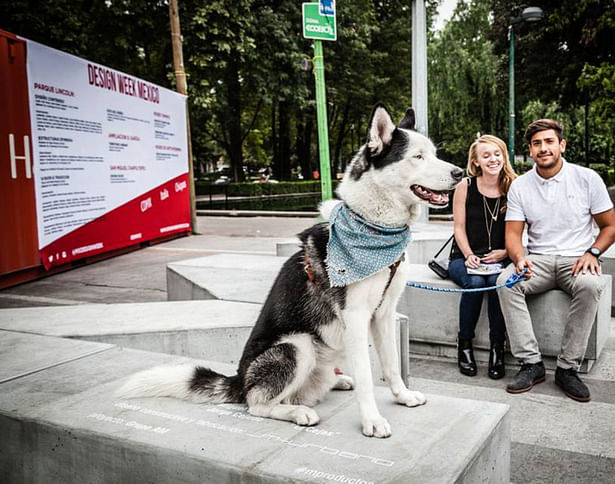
{"points": [[587, 262], [524, 263]]}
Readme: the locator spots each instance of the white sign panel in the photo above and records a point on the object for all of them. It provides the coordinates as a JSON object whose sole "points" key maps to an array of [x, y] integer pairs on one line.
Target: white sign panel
{"points": [[101, 139]]}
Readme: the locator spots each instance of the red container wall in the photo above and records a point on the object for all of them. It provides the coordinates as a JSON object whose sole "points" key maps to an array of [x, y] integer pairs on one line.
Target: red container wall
{"points": [[18, 231]]}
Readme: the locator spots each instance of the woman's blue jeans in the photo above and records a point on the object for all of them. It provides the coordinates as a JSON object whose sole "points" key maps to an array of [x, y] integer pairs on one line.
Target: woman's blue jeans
{"points": [[471, 302]]}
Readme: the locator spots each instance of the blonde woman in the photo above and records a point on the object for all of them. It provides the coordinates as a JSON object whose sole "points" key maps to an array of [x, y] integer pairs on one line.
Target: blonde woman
{"points": [[479, 208]]}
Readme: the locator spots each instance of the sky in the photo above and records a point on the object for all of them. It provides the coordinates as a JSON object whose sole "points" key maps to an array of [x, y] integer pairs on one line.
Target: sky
{"points": [[444, 13]]}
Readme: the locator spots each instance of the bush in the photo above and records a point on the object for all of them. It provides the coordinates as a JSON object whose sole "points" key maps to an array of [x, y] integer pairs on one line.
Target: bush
{"points": [[248, 189], [523, 166], [604, 172]]}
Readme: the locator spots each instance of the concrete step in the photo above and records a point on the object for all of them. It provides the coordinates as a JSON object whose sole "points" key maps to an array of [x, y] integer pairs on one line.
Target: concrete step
{"points": [[214, 330], [437, 336], [231, 277], [554, 439], [63, 424], [422, 247], [211, 329]]}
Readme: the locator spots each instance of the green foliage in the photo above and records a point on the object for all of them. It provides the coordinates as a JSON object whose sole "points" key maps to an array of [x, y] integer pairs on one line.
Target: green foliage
{"points": [[250, 101], [256, 189], [605, 173], [463, 79], [522, 167]]}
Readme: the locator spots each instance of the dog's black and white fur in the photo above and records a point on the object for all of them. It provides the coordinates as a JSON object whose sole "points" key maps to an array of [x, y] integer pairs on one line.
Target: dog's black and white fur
{"points": [[306, 327]]}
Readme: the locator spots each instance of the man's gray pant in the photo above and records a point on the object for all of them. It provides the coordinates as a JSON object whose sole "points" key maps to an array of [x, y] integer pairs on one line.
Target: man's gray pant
{"points": [[549, 272]]}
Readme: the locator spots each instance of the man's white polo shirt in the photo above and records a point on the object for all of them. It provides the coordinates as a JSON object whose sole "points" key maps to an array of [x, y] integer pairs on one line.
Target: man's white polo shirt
{"points": [[558, 211]]}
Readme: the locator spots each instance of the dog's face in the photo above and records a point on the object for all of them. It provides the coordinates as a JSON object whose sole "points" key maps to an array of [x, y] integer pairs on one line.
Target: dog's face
{"points": [[403, 162]]}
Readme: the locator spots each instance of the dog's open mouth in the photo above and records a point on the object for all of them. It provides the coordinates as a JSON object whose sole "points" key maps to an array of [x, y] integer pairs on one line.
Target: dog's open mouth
{"points": [[432, 196]]}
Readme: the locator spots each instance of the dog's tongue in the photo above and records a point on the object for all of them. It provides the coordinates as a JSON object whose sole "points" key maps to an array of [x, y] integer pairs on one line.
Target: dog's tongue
{"points": [[435, 197], [438, 198]]}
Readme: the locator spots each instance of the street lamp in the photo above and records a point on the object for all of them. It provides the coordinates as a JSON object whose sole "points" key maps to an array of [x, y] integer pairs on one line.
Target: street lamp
{"points": [[529, 14]]}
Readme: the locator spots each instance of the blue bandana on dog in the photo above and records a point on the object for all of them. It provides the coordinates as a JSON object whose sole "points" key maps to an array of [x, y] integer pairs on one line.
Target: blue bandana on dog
{"points": [[358, 248]]}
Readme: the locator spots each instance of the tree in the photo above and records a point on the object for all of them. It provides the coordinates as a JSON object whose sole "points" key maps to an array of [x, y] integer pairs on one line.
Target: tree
{"points": [[464, 94]]}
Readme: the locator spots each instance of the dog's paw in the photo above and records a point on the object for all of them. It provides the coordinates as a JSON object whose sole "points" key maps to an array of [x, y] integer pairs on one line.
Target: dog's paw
{"points": [[410, 398], [344, 382], [305, 416], [376, 427]]}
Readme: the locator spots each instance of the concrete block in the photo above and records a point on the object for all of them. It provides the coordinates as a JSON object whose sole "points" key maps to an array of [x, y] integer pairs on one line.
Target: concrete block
{"points": [[421, 249], [434, 318], [63, 424], [23, 354], [286, 248], [214, 330], [608, 267], [232, 277]]}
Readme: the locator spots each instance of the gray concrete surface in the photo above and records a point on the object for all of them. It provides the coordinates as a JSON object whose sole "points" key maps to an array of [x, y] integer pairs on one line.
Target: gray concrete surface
{"points": [[212, 330], [585, 454], [215, 330], [64, 424], [438, 336]]}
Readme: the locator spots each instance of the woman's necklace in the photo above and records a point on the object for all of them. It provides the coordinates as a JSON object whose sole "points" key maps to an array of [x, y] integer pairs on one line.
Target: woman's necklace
{"points": [[493, 216]]}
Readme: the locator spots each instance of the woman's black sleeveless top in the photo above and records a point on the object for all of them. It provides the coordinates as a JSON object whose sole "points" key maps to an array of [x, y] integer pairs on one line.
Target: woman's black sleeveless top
{"points": [[476, 228]]}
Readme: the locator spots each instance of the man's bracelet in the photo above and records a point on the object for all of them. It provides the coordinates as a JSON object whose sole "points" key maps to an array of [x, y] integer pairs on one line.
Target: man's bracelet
{"points": [[469, 256]]}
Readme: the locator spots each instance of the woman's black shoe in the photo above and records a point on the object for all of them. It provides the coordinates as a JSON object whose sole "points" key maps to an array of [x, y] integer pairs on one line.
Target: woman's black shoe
{"points": [[465, 357], [496, 361]]}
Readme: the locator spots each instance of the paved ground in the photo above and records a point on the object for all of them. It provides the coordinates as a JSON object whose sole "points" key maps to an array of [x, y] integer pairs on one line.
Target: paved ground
{"points": [[140, 276], [554, 438]]}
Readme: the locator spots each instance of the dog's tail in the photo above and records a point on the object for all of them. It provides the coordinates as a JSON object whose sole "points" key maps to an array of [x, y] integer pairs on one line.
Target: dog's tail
{"points": [[185, 382]]}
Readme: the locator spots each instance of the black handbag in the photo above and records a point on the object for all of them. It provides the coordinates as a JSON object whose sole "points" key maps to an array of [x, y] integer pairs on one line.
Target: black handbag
{"points": [[440, 265]]}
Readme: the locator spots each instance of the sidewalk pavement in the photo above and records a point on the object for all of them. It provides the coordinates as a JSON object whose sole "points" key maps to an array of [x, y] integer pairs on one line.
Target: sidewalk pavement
{"points": [[554, 438], [140, 276]]}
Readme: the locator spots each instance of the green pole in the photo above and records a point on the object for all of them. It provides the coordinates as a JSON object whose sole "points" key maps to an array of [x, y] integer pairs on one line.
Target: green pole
{"points": [[511, 96], [321, 116]]}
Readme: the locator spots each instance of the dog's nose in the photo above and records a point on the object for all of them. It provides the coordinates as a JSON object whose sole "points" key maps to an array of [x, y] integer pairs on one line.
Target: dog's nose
{"points": [[457, 174]]}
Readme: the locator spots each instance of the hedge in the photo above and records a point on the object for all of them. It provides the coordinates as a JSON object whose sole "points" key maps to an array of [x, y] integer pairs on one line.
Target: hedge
{"points": [[259, 189]]}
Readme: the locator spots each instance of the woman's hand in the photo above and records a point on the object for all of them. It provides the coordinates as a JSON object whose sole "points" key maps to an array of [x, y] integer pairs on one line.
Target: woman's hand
{"points": [[472, 261], [494, 256]]}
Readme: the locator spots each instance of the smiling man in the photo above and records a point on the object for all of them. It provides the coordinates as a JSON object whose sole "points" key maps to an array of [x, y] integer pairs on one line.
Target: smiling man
{"points": [[559, 202]]}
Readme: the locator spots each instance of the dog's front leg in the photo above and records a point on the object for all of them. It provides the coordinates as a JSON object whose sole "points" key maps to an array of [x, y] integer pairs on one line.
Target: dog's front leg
{"points": [[357, 354], [383, 334]]}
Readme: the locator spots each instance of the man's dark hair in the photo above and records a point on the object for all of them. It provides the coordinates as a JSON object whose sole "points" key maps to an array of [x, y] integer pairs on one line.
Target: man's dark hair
{"points": [[543, 125]]}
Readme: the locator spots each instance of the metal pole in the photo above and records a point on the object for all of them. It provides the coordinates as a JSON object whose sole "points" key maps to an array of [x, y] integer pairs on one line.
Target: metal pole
{"points": [[182, 88], [321, 116], [511, 96], [419, 65], [419, 77]]}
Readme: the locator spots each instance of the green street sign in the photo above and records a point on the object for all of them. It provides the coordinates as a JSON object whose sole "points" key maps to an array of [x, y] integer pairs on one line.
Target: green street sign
{"points": [[316, 26]]}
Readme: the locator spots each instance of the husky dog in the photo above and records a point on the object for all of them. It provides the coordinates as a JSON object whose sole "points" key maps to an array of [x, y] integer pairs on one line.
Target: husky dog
{"points": [[322, 305]]}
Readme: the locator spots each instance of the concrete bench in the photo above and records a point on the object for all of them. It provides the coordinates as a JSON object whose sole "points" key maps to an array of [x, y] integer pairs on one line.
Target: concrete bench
{"points": [[608, 267], [210, 329], [241, 277], [421, 249], [434, 318], [60, 422]]}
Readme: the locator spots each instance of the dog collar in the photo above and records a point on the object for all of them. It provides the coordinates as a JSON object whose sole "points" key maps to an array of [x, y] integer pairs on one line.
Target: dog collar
{"points": [[358, 248]]}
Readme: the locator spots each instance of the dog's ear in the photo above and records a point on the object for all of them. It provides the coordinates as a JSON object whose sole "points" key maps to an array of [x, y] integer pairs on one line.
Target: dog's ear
{"points": [[409, 121], [380, 129]]}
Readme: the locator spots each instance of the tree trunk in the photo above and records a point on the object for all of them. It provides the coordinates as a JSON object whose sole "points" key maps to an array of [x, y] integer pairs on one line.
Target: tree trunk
{"points": [[284, 140], [233, 122], [275, 153], [341, 134], [304, 147]]}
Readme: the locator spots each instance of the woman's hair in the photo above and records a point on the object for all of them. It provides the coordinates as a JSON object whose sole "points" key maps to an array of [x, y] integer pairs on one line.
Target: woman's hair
{"points": [[507, 175]]}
